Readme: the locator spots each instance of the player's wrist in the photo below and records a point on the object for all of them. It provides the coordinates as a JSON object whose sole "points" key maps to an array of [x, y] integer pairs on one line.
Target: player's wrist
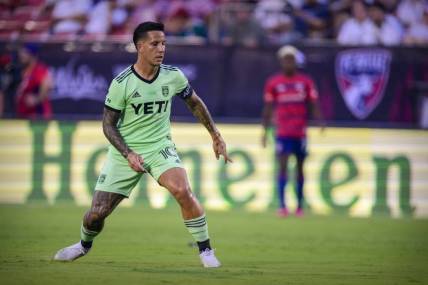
{"points": [[215, 135], [126, 153]]}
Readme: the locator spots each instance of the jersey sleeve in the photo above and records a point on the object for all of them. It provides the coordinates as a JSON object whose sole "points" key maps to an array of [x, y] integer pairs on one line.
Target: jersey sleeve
{"points": [[115, 99], [269, 92], [42, 73], [311, 90], [184, 90]]}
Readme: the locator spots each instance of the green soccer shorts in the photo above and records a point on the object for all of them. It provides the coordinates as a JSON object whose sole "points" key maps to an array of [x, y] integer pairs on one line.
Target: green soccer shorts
{"points": [[118, 177]]}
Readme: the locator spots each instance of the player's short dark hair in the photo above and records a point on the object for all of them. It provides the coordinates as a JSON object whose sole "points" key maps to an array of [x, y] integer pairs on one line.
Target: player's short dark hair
{"points": [[142, 29], [32, 48]]}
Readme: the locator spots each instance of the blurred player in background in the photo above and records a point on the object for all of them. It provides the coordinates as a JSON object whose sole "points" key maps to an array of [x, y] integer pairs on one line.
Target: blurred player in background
{"points": [[137, 123], [289, 95], [32, 99], [5, 61]]}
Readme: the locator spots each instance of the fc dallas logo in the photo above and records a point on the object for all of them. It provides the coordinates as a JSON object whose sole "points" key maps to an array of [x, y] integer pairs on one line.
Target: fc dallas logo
{"points": [[362, 75]]}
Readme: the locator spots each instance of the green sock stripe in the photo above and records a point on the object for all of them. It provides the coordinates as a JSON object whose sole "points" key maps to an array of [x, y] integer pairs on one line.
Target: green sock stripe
{"points": [[90, 234], [198, 223], [196, 226], [190, 227], [88, 231], [87, 235], [195, 223]]}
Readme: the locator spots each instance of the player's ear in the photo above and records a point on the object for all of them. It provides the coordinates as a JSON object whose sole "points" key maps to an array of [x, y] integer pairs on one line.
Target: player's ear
{"points": [[138, 46]]}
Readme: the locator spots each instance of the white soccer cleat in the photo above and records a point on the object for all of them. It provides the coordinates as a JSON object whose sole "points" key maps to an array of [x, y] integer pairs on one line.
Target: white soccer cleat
{"points": [[71, 253], [208, 259]]}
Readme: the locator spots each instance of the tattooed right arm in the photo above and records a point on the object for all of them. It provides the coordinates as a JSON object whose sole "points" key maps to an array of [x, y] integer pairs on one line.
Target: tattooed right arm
{"points": [[110, 119]]}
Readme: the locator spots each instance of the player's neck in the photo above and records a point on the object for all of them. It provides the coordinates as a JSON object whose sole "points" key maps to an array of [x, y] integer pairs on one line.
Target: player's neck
{"points": [[30, 66], [145, 70], [289, 74]]}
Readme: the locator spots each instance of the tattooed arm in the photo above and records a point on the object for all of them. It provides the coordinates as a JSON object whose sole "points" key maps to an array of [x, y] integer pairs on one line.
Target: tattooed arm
{"points": [[110, 119], [200, 111]]}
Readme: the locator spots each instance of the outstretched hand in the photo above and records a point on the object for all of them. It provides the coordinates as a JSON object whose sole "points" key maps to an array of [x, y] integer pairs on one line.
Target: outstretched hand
{"points": [[219, 147], [135, 161]]}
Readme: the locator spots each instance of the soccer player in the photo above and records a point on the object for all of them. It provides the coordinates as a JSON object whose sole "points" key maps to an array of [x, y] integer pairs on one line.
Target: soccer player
{"points": [[32, 101], [289, 95], [136, 122]]}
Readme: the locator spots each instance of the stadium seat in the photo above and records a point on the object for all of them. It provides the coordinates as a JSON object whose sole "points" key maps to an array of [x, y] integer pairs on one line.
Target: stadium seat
{"points": [[10, 26]]}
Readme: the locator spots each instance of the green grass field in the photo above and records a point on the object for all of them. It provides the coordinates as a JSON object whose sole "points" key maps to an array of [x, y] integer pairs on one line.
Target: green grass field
{"points": [[146, 246]]}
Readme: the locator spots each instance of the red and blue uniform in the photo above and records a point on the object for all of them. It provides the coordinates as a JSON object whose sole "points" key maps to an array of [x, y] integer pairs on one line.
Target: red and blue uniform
{"points": [[30, 84], [290, 96]]}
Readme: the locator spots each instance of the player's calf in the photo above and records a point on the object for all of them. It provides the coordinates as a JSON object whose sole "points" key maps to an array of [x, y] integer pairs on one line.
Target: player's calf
{"points": [[93, 223], [197, 226]]}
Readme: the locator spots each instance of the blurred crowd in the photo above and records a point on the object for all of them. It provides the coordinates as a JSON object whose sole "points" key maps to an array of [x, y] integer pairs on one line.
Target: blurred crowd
{"points": [[248, 23]]}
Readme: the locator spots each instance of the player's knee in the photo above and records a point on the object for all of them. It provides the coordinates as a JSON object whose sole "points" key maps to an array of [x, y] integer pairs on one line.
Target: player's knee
{"points": [[182, 193]]}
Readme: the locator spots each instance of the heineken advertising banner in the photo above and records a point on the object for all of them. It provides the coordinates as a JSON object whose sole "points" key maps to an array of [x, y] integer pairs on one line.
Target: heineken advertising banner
{"points": [[360, 172]]}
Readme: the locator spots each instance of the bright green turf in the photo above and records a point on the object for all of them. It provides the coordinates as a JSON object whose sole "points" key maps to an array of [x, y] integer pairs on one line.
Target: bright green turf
{"points": [[145, 246]]}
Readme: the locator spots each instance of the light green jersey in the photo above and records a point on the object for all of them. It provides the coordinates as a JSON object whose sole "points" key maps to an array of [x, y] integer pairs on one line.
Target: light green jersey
{"points": [[145, 106]]}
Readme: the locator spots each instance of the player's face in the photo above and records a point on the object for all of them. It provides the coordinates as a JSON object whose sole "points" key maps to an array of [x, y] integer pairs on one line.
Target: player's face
{"points": [[152, 47], [288, 64], [24, 56]]}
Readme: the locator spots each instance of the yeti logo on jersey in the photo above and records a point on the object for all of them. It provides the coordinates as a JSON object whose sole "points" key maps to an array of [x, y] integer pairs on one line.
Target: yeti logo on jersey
{"points": [[165, 91], [362, 76], [150, 107]]}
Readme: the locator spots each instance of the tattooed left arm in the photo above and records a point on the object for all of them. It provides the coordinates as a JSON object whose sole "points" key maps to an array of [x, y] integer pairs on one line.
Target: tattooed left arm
{"points": [[200, 111]]}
